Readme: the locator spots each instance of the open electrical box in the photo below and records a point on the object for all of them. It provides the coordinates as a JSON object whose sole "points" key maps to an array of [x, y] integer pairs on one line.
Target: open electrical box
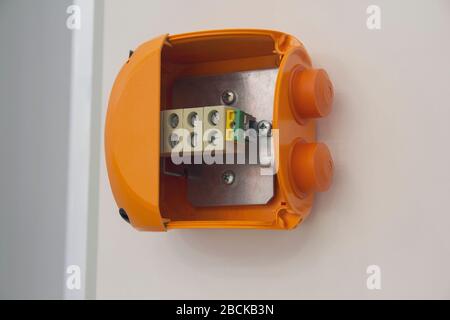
{"points": [[217, 129]]}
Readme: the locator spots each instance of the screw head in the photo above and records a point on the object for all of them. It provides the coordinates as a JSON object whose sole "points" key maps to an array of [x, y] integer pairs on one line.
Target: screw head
{"points": [[174, 120], [174, 139], [264, 128], [228, 177], [194, 139], [228, 97], [214, 117], [213, 138], [194, 119]]}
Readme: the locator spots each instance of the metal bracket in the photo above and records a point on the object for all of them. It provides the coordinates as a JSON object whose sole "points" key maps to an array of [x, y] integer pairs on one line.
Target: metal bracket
{"points": [[254, 94]]}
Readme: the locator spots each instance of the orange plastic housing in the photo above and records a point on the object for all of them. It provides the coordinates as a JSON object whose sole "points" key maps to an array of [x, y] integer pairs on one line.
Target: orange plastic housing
{"points": [[157, 202]]}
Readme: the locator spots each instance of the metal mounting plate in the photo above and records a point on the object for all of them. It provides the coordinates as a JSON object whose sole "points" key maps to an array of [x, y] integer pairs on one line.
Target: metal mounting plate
{"points": [[255, 95]]}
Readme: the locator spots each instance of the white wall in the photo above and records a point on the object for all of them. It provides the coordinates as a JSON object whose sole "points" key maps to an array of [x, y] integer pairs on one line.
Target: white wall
{"points": [[389, 135]]}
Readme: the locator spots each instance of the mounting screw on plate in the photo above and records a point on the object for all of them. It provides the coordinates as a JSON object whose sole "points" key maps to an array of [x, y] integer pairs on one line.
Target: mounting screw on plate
{"points": [[264, 128], [228, 97], [228, 177]]}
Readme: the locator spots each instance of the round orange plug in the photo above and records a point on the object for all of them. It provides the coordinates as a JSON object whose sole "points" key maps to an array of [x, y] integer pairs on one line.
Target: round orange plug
{"points": [[311, 167], [312, 93]]}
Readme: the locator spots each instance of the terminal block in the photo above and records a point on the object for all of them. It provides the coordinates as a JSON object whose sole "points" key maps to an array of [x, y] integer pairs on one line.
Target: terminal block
{"points": [[211, 128]]}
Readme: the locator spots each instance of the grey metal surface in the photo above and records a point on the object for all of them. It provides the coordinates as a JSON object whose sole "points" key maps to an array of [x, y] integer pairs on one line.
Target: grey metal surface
{"points": [[254, 94], [254, 89], [206, 186]]}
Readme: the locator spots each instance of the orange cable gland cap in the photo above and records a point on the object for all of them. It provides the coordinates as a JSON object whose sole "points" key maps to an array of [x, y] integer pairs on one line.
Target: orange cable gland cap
{"points": [[312, 93], [311, 167]]}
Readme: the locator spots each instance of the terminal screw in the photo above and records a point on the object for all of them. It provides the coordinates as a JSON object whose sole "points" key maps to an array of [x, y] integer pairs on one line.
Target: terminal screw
{"points": [[194, 119], [174, 139], [174, 120], [214, 117]]}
